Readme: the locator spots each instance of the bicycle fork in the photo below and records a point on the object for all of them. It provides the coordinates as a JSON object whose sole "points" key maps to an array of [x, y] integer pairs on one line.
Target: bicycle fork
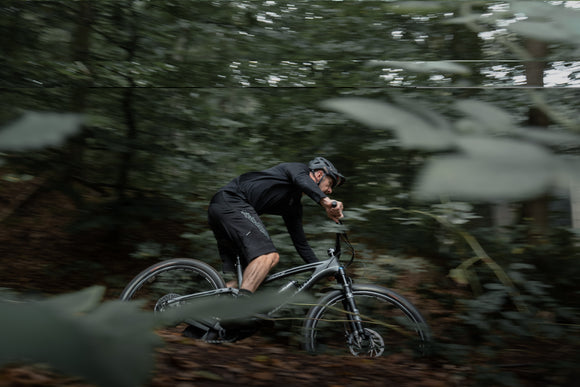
{"points": [[353, 314]]}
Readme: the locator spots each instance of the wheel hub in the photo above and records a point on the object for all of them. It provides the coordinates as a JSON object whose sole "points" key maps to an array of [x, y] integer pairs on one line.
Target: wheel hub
{"points": [[163, 303], [371, 344]]}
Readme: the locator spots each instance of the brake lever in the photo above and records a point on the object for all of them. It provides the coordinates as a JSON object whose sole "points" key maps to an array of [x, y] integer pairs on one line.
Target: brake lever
{"points": [[339, 235], [337, 249]]}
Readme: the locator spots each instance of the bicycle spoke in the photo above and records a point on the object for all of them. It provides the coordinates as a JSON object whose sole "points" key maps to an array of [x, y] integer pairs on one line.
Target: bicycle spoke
{"points": [[389, 326]]}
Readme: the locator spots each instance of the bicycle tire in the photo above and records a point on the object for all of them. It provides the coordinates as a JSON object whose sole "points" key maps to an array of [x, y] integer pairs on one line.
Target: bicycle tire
{"points": [[391, 322], [172, 277]]}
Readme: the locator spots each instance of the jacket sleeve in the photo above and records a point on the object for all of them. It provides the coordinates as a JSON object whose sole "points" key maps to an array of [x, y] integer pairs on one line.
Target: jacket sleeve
{"points": [[293, 223], [301, 178]]}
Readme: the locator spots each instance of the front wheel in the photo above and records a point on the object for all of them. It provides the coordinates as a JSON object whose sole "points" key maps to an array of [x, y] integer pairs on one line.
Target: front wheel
{"points": [[390, 324]]}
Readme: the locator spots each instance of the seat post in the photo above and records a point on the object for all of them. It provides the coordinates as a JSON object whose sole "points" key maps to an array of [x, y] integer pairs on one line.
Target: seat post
{"points": [[239, 271]]}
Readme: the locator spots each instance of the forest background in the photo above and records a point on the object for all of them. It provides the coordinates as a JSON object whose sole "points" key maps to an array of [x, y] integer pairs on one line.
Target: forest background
{"points": [[455, 122]]}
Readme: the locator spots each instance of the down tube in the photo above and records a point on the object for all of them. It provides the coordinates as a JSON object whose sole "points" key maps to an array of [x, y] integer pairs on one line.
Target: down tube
{"points": [[320, 270]]}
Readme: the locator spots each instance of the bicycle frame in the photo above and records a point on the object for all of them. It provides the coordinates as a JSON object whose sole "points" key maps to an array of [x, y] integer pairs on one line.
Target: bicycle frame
{"points": [[363, 333], [322, 269]]}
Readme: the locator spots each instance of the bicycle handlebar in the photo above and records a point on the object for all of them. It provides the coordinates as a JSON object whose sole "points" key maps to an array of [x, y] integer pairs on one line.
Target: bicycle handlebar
{"points": [[342, 235]]}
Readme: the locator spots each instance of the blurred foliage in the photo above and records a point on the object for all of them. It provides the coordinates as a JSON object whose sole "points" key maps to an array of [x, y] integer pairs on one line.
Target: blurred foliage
{"points": [[170, 100], [38, 130], [59, 330]]}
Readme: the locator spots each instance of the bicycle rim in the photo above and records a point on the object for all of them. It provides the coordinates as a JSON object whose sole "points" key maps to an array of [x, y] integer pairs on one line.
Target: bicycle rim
{"points": [[167, 280], [391, 325]]}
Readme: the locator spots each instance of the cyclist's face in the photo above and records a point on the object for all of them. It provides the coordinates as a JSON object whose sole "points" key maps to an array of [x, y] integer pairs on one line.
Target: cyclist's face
{"points": [[325, 182], [326, 185]]}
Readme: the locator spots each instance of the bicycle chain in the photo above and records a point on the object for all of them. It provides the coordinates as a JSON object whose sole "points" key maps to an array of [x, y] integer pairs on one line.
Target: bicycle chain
{"points": [[221, 341], [221, 338]]}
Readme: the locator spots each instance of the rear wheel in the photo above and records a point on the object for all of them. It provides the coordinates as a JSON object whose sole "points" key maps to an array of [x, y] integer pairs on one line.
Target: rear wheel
{"points": [[163, 282], [390, 324]]}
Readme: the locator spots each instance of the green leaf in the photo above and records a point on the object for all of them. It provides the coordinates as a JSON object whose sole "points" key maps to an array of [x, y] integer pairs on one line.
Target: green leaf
{"points": [[543, 10], [228, 308], [505, 151], [489, 169], [494, 286], [475, 180], [445, 67], [549, 136], [522, 266], [416, 7], [413, 131], [459, 276], [122, 342], [547, 22], [486, 115], [39, 130], [471, 18], [112, 345], [543, 31], [79, 302]]}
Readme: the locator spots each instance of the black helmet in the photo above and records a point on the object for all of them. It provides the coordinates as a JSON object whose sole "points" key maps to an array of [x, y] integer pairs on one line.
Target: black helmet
{"points": [[328, 168]]}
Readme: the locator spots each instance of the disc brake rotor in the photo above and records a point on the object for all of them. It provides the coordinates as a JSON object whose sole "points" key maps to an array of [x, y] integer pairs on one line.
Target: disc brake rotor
{"points": [[372, 344], [163, 303]]}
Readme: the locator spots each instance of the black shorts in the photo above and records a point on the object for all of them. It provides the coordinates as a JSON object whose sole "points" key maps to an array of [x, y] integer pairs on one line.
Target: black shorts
{"points": [[238, 229]]}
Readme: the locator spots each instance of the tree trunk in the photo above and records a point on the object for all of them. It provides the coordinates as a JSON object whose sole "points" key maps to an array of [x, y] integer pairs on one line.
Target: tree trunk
{"points": [[80, 55], [127, 155], [128, 108], [536, 210]]}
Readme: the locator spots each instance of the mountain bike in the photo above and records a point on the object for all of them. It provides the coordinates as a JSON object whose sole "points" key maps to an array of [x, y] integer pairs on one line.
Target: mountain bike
{"points": [[363, 319]]}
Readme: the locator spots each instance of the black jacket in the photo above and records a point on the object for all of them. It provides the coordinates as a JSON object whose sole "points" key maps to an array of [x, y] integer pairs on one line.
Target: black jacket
{"points": [[278, 191]]}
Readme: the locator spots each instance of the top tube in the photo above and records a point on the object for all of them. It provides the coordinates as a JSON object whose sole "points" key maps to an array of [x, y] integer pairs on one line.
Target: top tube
{"points": [[320, 269]]}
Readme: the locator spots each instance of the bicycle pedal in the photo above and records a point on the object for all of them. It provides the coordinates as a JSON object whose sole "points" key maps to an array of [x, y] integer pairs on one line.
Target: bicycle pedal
{"points": [[202, 329], [194, 332]]}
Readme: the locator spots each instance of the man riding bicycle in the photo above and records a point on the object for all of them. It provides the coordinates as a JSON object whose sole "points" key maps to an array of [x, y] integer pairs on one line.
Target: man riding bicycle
{"points": [[234, 211], [367, 319]]}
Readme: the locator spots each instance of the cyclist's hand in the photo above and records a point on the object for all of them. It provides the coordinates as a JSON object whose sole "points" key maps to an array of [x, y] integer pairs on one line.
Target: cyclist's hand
{"points": [[333, 208]]}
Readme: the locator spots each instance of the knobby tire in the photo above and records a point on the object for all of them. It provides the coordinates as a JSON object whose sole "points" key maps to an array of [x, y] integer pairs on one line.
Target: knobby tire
{"points": [[391, 323], [177, 276]]}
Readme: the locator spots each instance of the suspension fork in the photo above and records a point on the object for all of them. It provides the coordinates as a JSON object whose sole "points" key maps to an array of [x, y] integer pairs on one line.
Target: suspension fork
{"points": [[349, 304]]}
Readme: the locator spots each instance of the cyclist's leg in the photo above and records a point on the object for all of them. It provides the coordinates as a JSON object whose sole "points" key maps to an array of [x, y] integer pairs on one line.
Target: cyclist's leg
{"points": [[232, 284], [239, 231], [218, 213], [258, 269]]}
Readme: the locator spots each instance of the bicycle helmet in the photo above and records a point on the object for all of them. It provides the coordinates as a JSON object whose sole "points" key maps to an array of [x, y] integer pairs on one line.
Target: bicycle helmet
{"points": [[329, 169]]}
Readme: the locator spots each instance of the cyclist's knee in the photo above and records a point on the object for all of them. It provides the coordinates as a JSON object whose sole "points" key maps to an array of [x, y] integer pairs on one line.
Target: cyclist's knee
{"points": [[275, 259], [270, 259]]}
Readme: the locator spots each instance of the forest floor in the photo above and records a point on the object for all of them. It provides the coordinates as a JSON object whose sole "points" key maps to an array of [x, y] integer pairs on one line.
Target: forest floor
{"points": [[38, 256]]}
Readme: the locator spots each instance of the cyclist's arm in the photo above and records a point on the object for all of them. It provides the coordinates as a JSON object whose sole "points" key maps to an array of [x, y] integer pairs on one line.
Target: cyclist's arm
{"points": [[296, 231], [333, 208], [300, 176], [302, 179]]}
